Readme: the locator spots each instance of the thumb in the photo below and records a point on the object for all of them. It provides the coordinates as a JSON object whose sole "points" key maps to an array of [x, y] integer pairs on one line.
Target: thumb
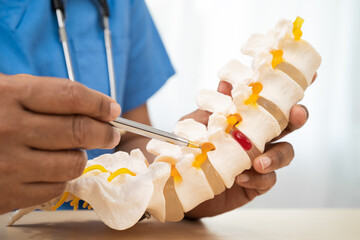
{"points": [[224, 88]]}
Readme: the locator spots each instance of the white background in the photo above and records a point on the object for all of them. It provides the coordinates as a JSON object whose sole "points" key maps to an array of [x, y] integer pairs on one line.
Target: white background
{"points": [[202, 35]]}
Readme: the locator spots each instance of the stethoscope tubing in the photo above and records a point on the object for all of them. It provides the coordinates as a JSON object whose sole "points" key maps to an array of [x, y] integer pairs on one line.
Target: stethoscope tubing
{"points": [[58, 6], [119, 123]]}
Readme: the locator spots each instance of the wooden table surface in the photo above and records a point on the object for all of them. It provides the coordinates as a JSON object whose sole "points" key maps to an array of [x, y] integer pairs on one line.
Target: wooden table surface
{"points": [[240, 224]]}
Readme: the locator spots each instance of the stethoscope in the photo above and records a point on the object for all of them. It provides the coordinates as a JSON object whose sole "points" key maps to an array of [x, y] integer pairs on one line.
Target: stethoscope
{"points": [[120, 123], [59, 9]]}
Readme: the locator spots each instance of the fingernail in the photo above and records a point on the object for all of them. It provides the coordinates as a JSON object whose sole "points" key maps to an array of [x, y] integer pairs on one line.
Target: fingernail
{"points": [[115, 110], [265, 162], [242, 178], [117, 137], [305, 111]]}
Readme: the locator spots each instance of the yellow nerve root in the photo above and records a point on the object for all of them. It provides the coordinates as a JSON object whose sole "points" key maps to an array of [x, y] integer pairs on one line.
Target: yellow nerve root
{"points": [[201, 158], [297, 28], [61, 201], [256, 89], [232, 121], [95, 167], [76, 206], [74, 201], [175, 174], [120, 171], [277, 57]]}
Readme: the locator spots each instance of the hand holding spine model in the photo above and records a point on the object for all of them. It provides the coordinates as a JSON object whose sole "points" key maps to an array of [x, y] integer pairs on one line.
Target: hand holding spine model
{"points": [[121, 187]]}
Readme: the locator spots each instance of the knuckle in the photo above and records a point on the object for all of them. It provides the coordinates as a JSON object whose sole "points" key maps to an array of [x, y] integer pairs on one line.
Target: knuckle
{"points": [[24, 85], [9, 169], [5, 85], [7, 128], [22, 76], [103, 108], [109, 137], [277, 157], [79, 130], [71, 91], [9, 89], [20, 82]]}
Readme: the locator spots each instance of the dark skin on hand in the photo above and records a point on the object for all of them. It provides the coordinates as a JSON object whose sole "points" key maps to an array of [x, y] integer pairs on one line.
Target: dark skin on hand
{"points": [[43, 123], [261, 177], [248, 185]]}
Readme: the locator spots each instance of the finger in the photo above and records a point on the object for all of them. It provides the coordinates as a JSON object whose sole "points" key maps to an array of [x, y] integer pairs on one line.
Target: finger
{"points": [[46, 166], [61, 96], [277, 156], [298, 117], [203, 116], [50, 132], [225, 88], [37, 193], [232, 198], [314, 78], [198, 115], [226, 201], [254, 180]]}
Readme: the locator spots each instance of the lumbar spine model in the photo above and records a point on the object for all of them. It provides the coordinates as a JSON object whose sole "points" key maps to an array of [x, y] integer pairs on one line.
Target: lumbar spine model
{"points": [[121, 187]]}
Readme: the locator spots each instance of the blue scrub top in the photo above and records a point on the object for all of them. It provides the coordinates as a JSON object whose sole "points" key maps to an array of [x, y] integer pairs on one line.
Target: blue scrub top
{"points": [[29, 43]]}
